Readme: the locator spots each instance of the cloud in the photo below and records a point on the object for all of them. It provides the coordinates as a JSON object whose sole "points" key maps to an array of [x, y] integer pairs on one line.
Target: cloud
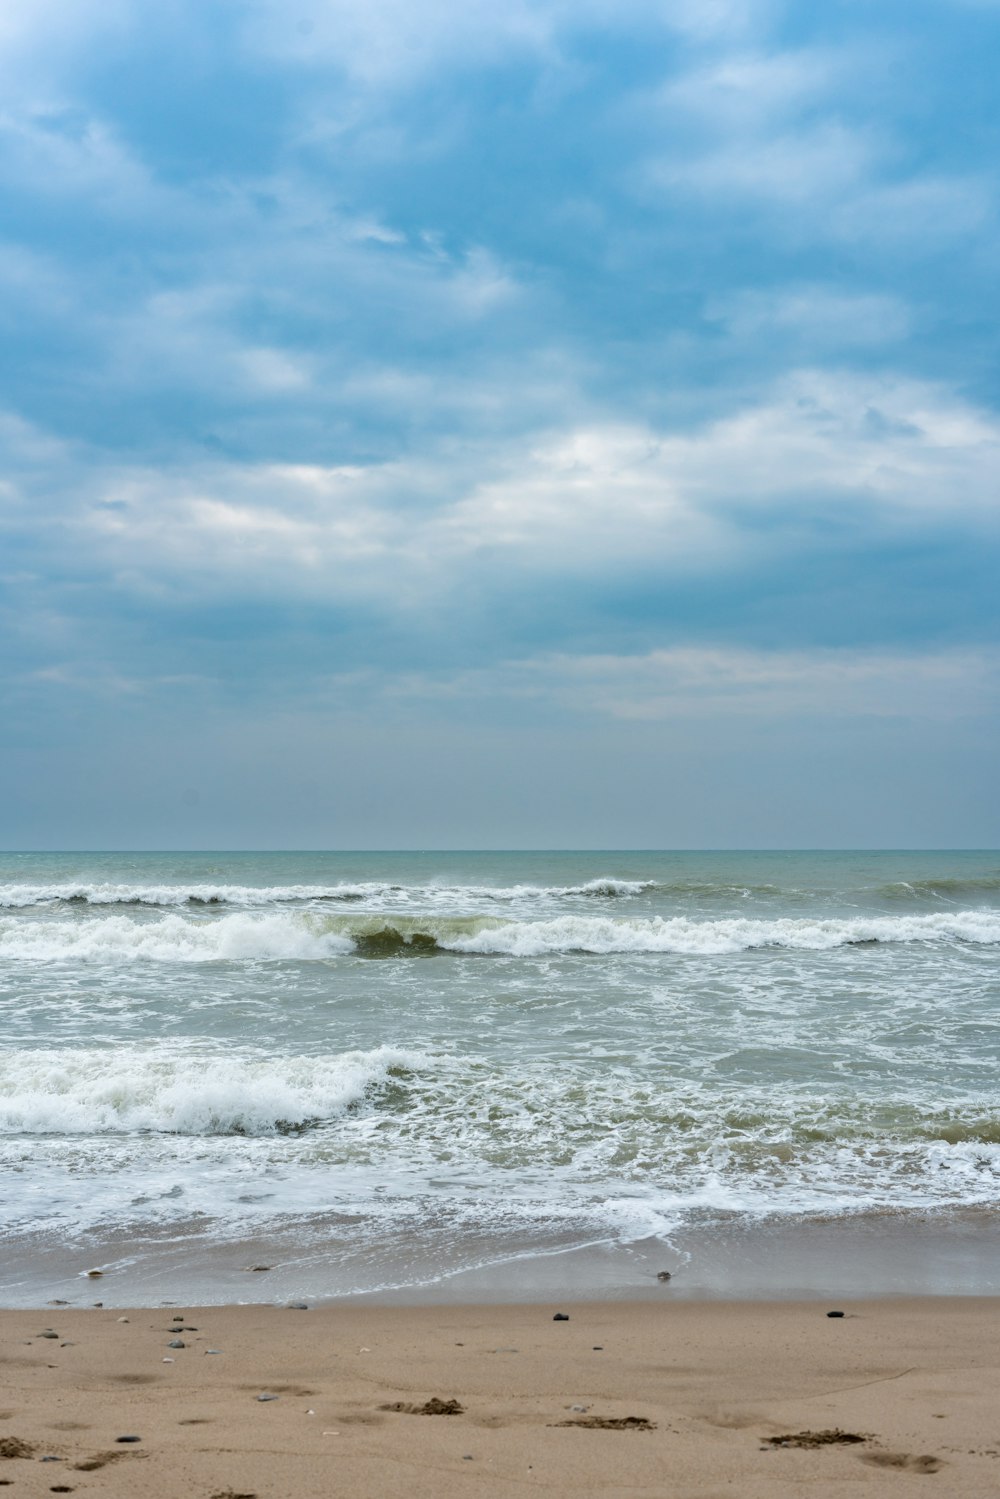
{"points": [[711, 682], [823, 455]]}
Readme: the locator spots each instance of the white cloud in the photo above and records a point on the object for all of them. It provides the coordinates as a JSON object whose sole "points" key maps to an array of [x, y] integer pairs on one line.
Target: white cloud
{"points": [[815, 316], [715, 682], [600, 500]]}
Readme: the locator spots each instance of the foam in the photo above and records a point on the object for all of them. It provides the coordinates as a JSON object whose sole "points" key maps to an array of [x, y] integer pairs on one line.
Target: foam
{"points": [[239, 936], [169, 939], [129, 1091]]}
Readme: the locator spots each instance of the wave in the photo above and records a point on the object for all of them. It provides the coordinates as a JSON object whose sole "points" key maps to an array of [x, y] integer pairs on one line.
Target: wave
{"points": [[942, 889], [308, 936], [23, 896], [131, 1091]]}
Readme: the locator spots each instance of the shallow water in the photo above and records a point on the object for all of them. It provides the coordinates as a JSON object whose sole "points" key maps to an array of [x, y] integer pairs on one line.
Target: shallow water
{"points": [[388, 1069]]}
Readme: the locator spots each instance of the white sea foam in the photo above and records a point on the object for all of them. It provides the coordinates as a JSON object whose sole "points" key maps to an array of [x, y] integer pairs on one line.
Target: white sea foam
{"points": [[600, 934], [110, 893], [128, 1091], [169, 939], [249, 936]]}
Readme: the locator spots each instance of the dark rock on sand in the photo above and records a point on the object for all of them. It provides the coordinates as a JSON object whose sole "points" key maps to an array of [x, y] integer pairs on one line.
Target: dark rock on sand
{"points": [[560, 1317], [834, 1314], [128, 1439], [663, 1275]]}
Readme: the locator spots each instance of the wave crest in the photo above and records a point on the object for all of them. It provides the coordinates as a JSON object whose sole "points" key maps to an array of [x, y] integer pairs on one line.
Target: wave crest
{"points": [[128, 1092]]}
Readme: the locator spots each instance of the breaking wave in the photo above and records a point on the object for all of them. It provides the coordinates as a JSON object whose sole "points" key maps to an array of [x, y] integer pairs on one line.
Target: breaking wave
{"points": [[127, 1092], [307, 936]]}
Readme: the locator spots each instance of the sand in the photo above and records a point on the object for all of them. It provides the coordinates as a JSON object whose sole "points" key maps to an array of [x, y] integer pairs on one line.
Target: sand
{"points": [[682, 1398]]}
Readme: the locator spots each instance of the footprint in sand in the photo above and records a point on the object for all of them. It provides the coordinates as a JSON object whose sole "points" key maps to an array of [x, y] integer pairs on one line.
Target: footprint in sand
{"points": [[908, 1462]]}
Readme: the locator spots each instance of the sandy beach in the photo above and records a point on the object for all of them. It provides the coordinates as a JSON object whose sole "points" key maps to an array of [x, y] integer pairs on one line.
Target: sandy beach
{"points": [[686, 1398]]}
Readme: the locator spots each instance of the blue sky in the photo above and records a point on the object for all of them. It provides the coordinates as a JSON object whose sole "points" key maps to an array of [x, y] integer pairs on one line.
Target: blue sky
{"points": [[450, 424]]}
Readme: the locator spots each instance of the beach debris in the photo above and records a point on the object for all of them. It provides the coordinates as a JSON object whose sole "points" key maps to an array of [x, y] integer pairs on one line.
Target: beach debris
{"points": [[834, 1314], [57, 1302], [578, 1407], [60, 1488], [560, 1317], [432, 1407], [213, 1350], [14, 1447], [93, 1274], [67, 1345], [170, 1361], [256, 1269], [50, 1457], [128, 1439], [101, 1460], [610, 1423], [598, 1348], [123, 1319], [298, 1306], [231, 1494], [830, 1437], [663, 1275], [267, 1397], [48, 1333], [177, 1343]]}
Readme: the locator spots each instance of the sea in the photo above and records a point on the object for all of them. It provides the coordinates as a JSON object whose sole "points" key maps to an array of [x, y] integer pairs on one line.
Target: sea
{"points": [[465, 1076]]}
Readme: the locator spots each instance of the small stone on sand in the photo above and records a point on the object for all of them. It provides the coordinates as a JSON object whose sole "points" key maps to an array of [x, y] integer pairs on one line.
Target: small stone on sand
{"points": [[560, 1317], [128, 1439], [834, 1314], [267, 1397]]}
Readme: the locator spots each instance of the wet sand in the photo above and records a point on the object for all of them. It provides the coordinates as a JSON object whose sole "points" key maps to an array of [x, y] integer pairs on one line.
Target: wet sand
{"points": [[755, 1399]]}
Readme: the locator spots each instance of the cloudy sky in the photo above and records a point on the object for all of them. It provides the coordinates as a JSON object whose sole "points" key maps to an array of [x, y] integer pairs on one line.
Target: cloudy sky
{"points": [[442, 423]]}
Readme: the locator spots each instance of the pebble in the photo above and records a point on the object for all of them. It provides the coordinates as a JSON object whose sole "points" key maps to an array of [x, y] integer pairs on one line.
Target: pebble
{"points": [[834, 1314], [128, 1439], [298, 1306], [169, 1361], [177, 1343], [48, 1335], [663, 1275], [213, 1350], [94, 1274], [598, 1348], [123, 1319], [50, 1459], [267, 1397], [560, 1317]]}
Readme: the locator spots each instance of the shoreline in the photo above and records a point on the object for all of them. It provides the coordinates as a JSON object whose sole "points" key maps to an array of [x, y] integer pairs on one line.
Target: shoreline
{"points": [[862, 1255], [683, 1397]]}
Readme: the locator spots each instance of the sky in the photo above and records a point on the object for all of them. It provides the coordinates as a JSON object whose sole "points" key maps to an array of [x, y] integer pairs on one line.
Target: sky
{"points": [[443, 424]]}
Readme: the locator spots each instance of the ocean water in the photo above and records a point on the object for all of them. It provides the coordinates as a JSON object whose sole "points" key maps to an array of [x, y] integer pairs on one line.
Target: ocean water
{"points": [[413, 1074]]}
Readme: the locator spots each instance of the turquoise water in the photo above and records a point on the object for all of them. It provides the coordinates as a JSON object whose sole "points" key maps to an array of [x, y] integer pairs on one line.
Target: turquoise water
{"points": [[387, 1068]]}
